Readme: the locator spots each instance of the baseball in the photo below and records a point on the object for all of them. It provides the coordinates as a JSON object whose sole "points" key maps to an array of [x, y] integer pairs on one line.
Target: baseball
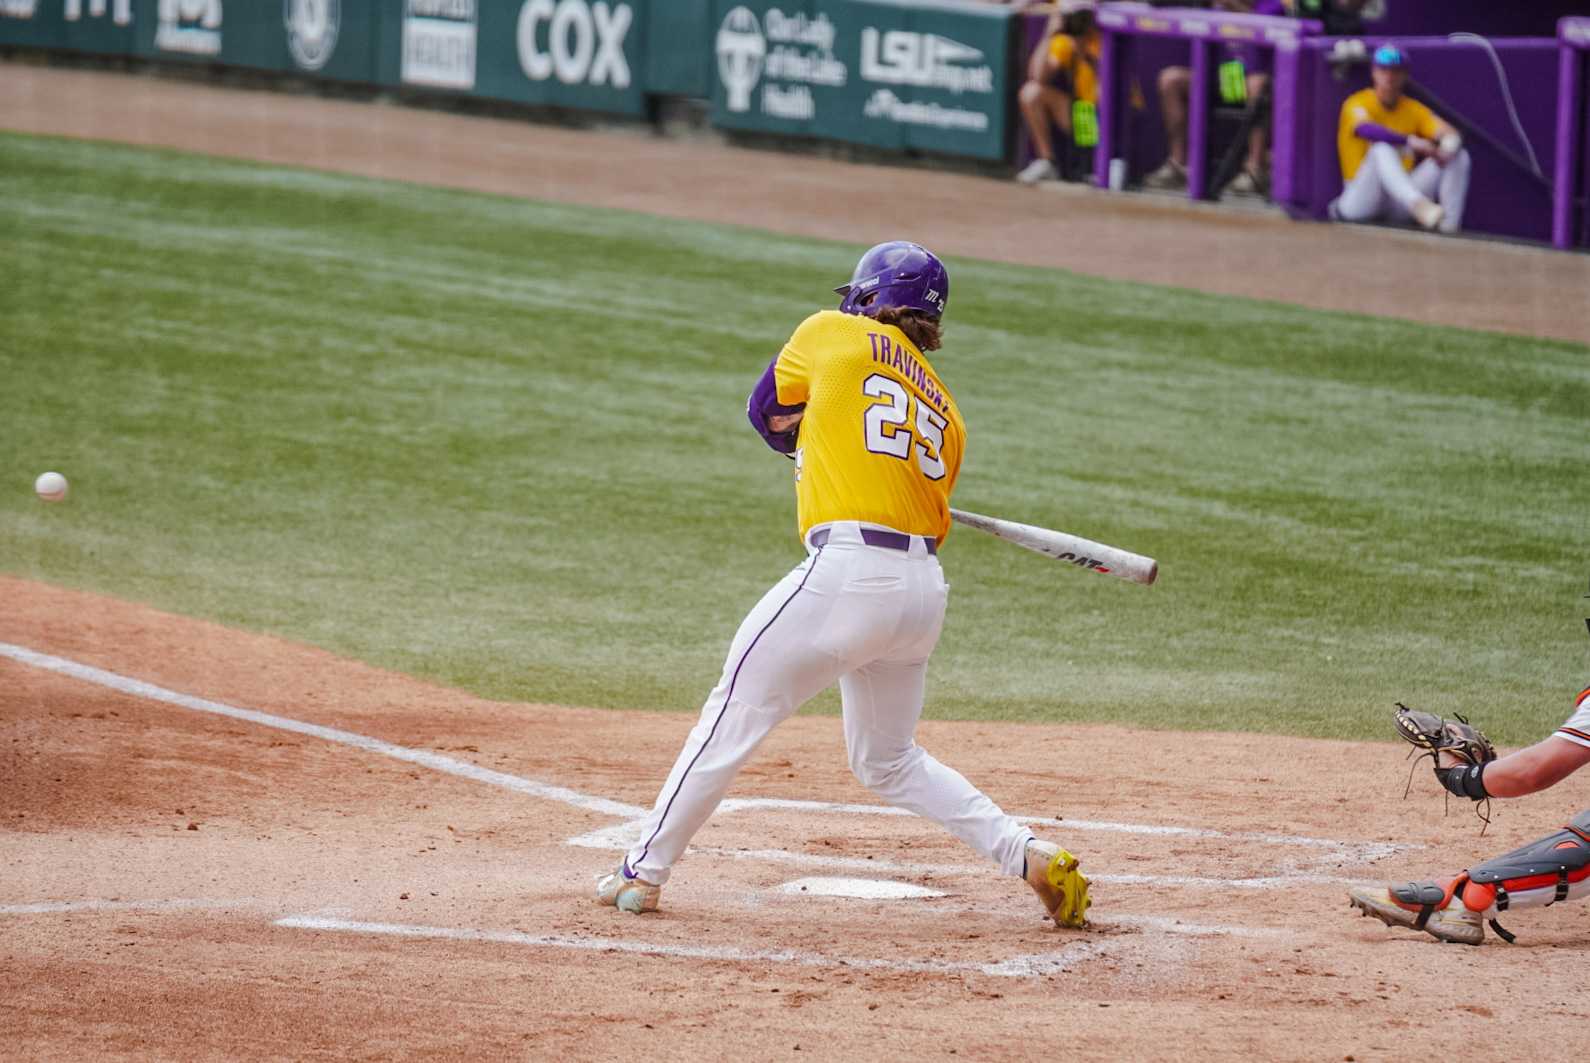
{"points": [[50, 486]]}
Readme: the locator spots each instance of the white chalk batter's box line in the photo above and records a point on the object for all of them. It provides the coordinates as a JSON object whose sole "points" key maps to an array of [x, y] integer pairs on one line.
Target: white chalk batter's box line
{"points": [[1057, 961], [898, 867], [254, 906], [1030, 966], [621, 835], [116, 904], [624, 836]]}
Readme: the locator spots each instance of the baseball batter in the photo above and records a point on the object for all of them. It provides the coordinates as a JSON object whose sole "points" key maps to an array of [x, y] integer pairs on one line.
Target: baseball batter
{"points": [[1381, 135], [1554, 868], [877, 441]]}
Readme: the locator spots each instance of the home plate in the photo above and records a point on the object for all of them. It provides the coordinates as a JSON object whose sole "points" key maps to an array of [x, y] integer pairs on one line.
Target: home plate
{"points": [[870, 889]]}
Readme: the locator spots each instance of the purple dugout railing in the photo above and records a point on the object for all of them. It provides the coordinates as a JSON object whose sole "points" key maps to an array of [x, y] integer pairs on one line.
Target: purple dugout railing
{"points": [[1569, 180], [1120, 23]]}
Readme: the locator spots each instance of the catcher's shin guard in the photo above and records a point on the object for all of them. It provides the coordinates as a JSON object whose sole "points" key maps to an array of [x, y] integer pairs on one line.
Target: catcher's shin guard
{"points": [[1554, 868]]}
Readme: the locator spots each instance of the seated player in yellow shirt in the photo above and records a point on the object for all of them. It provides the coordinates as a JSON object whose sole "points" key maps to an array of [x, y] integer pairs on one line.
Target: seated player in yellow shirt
{"points": [[1380, 136], [877, 441], [1063, 69]]}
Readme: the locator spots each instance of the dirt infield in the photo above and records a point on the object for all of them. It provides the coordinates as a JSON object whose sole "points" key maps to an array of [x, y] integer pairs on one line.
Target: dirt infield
{"points": [[1163, 241], [217, 844], [180, 883]]}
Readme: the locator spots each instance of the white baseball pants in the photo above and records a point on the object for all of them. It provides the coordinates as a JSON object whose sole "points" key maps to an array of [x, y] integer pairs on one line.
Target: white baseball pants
{"points": [[868, 617], [1382, 189]]}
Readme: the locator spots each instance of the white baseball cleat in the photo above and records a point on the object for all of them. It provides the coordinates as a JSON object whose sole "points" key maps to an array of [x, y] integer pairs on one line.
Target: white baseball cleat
{"points": [[1246, 183], [1039, 169], [1052, 873], [1170, 177], [1427, 212], [627, 892]]}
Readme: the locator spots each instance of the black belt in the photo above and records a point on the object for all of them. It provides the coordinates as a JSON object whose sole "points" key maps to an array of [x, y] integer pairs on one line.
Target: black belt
{"points": [[879, 537]]}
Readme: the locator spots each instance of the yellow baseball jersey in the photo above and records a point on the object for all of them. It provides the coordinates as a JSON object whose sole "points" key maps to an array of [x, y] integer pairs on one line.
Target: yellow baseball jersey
{"points": [[881, 439], [1080, 64], [1409, 117]]}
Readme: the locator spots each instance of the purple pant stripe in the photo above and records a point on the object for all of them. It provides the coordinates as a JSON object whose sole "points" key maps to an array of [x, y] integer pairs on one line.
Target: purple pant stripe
{"points": [[728, 697]]}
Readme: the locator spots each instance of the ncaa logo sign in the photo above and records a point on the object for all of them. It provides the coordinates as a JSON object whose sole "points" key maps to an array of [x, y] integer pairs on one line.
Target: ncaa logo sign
{"points": [[741, 49], [312, 31], [577, 42]]}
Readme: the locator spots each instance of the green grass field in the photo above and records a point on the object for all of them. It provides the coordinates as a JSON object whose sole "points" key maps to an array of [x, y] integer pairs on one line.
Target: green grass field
{"points": [[501, 445]]}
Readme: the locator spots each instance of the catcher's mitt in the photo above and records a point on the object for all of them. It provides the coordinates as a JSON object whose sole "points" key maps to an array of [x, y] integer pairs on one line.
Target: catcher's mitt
{"points": [[1436, 735]]}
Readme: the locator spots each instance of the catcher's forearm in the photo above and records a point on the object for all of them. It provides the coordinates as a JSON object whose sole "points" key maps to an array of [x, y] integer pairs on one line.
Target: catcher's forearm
{"points": [[1539, 767]]}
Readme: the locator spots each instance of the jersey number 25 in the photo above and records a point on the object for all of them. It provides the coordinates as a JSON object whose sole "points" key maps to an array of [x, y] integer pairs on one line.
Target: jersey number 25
{"points": [[886, 432]]}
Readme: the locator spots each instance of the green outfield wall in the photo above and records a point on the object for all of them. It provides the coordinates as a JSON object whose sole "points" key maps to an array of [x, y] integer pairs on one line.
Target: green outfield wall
{"points": [[882, 73], [679, 59]]}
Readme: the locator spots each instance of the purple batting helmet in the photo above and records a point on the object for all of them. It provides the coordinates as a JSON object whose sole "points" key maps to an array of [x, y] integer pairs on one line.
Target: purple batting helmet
{"points": [[898, 274]]}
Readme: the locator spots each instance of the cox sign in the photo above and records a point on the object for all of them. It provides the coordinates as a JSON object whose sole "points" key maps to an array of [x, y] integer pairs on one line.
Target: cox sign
{"points": [[578, 42]]}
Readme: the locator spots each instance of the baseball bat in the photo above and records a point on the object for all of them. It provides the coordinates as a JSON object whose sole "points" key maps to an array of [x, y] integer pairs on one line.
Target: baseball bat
{"points": [[1084, 553]]}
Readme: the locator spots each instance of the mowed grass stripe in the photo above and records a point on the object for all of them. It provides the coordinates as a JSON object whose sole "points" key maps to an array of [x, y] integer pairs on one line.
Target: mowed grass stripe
{"points": [[500, 444]]}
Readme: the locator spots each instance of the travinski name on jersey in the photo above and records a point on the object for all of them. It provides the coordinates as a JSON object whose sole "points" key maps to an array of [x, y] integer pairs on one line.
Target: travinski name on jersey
{"points": [[899, 357]]}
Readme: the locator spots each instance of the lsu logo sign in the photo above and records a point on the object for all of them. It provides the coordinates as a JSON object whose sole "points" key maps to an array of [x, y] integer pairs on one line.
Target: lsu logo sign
{"points": [[923, 60], [575, 41]]}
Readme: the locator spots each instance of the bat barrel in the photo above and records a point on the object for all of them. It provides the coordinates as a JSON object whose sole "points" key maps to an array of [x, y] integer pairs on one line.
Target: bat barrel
{"points": [[1073, 549]]}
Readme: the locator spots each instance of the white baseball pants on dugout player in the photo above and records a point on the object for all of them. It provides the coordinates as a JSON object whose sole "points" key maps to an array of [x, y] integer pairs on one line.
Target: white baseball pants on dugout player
{"points": [[1383, 189], [868, 617]]}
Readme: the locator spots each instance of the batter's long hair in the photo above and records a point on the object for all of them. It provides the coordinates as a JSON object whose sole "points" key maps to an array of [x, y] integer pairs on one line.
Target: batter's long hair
{"points": [[926, 332]]}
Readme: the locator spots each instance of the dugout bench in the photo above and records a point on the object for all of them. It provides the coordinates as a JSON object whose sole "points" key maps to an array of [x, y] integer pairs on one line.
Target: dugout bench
{"points": [[1122, 25]]}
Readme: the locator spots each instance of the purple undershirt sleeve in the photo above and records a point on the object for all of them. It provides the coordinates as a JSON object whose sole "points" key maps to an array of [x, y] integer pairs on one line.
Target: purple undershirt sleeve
{"points": [[763, 404], [1376, 131]]}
